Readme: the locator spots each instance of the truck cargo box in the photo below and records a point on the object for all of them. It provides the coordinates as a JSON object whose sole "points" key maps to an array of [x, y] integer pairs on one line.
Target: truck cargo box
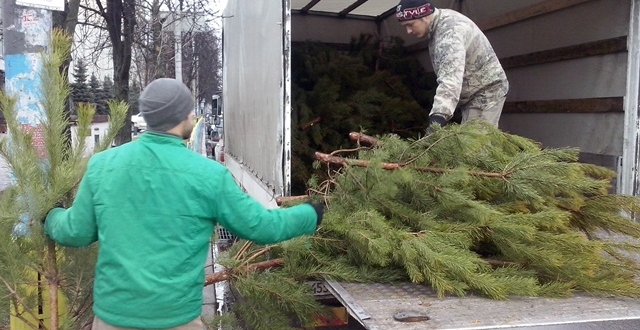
{"points": [[574, 73]]}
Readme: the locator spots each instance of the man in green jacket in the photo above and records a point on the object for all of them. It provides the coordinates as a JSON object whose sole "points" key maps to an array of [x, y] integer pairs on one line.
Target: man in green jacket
{"points": [[152, 204]]}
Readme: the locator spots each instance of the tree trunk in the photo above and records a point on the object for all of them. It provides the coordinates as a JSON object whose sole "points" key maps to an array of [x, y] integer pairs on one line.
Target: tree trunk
{"points": [[64, 20], [53, 283], [120, 18], [157, 69], [67, 19]]}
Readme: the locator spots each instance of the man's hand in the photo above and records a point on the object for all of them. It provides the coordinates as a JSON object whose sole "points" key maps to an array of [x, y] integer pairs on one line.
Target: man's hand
{"points": [[435, 120], [319, 207]]}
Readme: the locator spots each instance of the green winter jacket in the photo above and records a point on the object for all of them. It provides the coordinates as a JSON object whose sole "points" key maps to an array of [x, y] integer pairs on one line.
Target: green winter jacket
{"points": [[152, 205]]}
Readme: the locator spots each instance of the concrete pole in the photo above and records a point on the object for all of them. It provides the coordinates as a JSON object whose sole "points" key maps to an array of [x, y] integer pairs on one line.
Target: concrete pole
{"points": [[27, 32]]}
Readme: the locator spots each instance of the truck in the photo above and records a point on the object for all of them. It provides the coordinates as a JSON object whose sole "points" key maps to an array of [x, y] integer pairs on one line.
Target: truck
{"points": [[574, 73]]}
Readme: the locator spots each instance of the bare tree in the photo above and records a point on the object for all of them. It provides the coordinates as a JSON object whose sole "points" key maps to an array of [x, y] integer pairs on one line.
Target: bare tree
{"points": [[154, 45], [67, 19], [208, 52], [91, 40], [120, 19], [139, 37]]}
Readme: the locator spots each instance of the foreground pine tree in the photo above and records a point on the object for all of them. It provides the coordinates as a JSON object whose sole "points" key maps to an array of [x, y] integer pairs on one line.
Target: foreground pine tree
{"points": [[34, 271], [466, 210]]}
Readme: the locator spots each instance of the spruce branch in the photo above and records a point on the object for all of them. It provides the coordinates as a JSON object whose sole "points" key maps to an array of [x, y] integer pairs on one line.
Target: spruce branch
{"points": [[224, 275]]}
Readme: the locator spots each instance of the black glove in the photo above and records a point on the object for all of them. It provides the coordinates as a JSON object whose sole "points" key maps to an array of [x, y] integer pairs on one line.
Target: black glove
{"points": [[435, 120], [319, 207]]}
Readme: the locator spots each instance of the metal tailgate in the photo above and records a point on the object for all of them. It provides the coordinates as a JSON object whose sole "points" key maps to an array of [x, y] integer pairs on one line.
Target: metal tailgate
{"points": [[374, 305]]}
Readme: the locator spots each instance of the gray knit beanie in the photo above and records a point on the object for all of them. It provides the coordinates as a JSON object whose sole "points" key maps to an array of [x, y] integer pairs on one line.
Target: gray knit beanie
{"points": [[165, 103]]}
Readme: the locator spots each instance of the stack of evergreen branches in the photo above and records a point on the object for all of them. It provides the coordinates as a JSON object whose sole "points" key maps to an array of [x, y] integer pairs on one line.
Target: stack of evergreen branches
{"points": [[467, 209], [373, 84]]}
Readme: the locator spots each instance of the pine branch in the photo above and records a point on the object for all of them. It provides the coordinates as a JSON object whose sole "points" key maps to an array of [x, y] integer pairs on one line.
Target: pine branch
{"points": [[256, 255], [364, 139], [224, 275], [44, 177], [499, 263], [352, 150], [242, 250], [345, 162]]}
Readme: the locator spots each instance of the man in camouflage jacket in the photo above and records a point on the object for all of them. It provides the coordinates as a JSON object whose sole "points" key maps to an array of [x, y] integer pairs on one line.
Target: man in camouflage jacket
{"points": [[470, 78]]}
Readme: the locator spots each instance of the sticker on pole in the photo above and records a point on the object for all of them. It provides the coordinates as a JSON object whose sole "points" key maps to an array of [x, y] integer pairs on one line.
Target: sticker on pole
{"points": [[44, 4]]}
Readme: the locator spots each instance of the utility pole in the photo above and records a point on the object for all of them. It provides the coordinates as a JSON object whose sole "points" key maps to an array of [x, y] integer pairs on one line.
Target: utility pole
{"points": [[177, 32]]}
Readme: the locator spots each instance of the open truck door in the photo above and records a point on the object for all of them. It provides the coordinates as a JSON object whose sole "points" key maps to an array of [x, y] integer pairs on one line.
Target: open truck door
{"points": [[257, 94]]}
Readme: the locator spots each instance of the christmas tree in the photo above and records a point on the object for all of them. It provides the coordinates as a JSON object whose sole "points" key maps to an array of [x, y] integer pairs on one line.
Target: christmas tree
{"points": [[35, 273]]}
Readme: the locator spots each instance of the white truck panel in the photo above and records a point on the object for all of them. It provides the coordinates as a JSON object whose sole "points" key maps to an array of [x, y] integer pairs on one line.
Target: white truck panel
{"points": [[590, 77], [254, 87], [592, 133]]}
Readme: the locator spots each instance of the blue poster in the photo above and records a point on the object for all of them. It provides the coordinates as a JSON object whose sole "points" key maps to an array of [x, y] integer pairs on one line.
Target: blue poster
{"points": [[22, 80]]}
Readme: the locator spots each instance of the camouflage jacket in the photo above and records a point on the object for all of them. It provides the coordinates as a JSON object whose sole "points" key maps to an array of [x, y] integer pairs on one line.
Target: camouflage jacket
{"points": [[464, 61]]}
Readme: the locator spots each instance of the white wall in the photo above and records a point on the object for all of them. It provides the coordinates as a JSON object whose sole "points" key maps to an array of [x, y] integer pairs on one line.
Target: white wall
{"points": [[98, 132]]}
